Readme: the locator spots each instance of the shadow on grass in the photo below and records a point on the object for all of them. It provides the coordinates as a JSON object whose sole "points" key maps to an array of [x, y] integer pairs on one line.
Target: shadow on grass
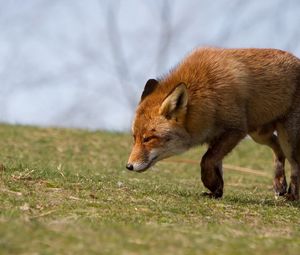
{"points": [[243, 199], [270, 202]]}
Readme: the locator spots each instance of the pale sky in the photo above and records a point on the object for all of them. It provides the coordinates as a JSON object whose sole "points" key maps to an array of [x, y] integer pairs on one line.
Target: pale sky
{"points": [[84, 63]]}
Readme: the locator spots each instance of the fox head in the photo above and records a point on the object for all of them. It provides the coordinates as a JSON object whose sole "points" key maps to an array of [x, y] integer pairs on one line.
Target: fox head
{"points": [[159, 125]]}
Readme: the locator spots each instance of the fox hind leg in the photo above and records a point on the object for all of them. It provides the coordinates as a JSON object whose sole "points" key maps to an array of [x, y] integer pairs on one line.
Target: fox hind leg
{"points": [[289, 140], [265, 136]]}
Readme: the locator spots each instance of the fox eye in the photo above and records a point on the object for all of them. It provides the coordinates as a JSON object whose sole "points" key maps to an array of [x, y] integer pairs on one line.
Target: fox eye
{"points": [[147, 139]]}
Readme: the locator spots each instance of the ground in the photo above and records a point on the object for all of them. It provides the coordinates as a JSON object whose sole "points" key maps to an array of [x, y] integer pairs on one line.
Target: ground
{"points": [[67, 191]]}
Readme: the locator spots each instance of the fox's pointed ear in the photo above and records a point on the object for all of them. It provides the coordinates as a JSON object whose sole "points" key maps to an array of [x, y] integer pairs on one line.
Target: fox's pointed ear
{"points": [[175, 104], [149, 88]]}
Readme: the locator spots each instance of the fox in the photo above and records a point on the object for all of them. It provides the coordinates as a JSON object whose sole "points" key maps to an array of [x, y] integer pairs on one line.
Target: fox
{"points": [[217, 97]]}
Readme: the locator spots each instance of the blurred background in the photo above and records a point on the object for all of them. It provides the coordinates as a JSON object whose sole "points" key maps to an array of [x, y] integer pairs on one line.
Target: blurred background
{"points": [[84, 63]]}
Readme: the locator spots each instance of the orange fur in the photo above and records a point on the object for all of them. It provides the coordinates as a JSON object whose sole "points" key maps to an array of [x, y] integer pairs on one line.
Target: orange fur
{"points": [[217, 96]]}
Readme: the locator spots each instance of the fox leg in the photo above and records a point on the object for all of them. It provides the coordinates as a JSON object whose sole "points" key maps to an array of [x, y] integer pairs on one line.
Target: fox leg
{"points": [[211, 163], [213, 180], [265, 135], [288, 135]]}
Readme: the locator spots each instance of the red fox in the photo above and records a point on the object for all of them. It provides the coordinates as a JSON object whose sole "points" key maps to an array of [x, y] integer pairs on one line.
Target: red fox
{"points": [[217, 97]]}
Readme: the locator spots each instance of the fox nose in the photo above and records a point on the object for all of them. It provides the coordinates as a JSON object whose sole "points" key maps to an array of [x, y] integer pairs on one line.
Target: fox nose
{"points": [[129, 166]]}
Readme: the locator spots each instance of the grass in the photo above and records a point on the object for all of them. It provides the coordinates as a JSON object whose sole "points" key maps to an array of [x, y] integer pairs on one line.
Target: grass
{"points": [[67, 192]]}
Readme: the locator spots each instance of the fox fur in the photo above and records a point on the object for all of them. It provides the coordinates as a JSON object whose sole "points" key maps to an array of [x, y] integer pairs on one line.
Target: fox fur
{"points": [[217, 97]]}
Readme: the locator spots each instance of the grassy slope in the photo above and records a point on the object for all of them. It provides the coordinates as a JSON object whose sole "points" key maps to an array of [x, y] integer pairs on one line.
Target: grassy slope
{"points": [[67, 192]]}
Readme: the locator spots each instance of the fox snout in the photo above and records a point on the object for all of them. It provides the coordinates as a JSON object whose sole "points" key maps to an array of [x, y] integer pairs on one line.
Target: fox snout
{"points": [[129, 166], [141, 161]]}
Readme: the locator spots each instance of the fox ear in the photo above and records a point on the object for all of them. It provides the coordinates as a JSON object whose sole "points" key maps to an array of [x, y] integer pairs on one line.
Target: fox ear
{"points": [[149, 88], [175, 104]]}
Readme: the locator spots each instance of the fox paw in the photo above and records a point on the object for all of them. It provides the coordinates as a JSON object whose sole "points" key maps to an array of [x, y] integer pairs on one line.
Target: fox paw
{"points": [[280, 187], [216, 195], [291, 197]]}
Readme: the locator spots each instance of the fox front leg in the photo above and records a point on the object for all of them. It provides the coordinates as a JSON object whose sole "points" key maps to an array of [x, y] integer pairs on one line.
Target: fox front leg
{"points": [[211, 163], [212, 178]]}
